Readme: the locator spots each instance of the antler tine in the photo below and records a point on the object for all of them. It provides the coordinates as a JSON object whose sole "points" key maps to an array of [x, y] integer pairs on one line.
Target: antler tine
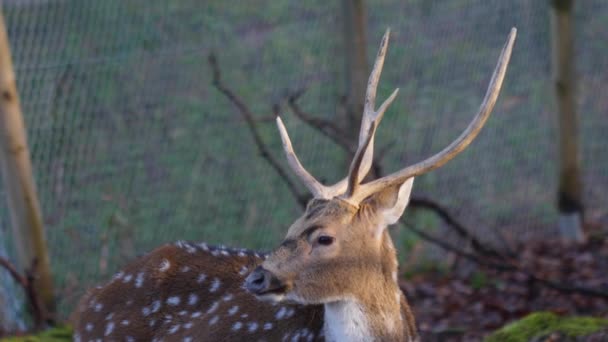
{"points": [[370, 115], [457, 145], [352, 179], [317, 189]]}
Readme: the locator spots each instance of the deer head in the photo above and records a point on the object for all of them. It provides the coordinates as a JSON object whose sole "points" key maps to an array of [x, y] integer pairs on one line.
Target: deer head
{"points": [[339, 252]]}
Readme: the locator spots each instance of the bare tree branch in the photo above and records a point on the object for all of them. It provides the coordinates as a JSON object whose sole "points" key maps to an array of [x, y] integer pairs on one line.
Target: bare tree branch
{"points": [[251, 124], [504, 266], [326, 127], [443, 213], [26, 282]]}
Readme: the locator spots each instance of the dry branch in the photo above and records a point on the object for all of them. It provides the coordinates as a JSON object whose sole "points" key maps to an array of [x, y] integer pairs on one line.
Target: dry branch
{"points": [[27, 282], [505, 266], [251, 124]]}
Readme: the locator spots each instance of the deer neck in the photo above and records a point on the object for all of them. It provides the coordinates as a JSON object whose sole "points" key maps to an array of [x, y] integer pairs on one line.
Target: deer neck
{"points": [[374, 313]]}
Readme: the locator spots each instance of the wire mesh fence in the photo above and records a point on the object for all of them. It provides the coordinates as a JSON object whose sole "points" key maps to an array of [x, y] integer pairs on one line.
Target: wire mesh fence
{"points": [[133, 147]]}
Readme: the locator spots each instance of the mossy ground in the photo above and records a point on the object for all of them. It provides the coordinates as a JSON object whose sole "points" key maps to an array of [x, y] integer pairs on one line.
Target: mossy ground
{"points": [[56, 334], [544, 323]]}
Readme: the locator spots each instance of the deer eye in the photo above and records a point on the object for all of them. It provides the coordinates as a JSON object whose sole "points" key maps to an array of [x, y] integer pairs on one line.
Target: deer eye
{"points": [[325, 240]]}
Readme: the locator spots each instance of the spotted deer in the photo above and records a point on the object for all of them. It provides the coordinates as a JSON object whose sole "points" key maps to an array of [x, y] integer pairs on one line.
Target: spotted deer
{"points": [[333, 277]]}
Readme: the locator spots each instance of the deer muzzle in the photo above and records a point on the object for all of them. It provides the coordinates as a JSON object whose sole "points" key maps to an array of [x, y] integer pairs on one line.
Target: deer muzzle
{"points": [[261, 282]]}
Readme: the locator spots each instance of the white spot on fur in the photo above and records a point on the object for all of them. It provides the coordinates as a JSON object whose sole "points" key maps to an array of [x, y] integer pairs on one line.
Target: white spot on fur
{"points": [[98, 307], [109, 329], [252, 327], [267, 326], [174, 300], [196, 314], [188, 325], [233, 310], [145, 311], [187, 339], [164, 265], [214, 320], [192, 299], [118, 275], [127, 278], [237, 326], [185, 269], [182, 313], [139, 280], [109, 316], [215, 285], [281, 313], [289, 312], [213, 307], [244, 270], [156, 305], [88, 327], [203, 246], [130, 339], [242, 254], [174, 329], [125, 322], [244, 315], [201, 278], [190, 249], [227, 297]]}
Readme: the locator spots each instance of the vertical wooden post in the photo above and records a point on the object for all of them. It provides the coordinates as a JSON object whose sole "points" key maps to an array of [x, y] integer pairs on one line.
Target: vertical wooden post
{"points": [[570, 186], [356, 70], [26, 218]]}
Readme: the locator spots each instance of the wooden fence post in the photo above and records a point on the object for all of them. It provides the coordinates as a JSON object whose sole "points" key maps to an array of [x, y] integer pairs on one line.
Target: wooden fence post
{"points": [[354, 17], [25, 214], [569, 199]]}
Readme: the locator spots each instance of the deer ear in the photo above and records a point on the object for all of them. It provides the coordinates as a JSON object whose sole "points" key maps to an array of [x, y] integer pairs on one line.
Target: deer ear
{"points": [[390, 203]]}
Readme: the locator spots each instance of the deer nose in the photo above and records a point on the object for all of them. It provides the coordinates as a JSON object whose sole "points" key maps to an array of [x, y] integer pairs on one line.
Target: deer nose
{"points": [[260, 281]]}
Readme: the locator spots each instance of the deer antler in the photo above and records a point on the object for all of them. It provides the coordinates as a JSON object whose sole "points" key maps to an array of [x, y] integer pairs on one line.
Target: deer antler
{"points": [[365, 152], [457, 145]]}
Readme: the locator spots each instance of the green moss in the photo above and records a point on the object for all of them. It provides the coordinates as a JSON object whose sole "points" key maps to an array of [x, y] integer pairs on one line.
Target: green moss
{"points": [[543, 323], [56, 334]]}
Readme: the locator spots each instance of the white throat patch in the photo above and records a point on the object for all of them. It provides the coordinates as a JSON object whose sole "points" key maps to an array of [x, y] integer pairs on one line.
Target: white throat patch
{"points": [[346, 321]]}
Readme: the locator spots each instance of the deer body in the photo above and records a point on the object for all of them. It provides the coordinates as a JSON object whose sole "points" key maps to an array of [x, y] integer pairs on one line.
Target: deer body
{"points": [[333, 277], [172, 294]]}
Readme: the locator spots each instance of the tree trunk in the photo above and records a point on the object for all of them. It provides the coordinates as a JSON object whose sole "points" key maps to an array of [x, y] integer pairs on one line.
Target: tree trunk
{"points": [[355, 62], [26, 218], [570, 186]]}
